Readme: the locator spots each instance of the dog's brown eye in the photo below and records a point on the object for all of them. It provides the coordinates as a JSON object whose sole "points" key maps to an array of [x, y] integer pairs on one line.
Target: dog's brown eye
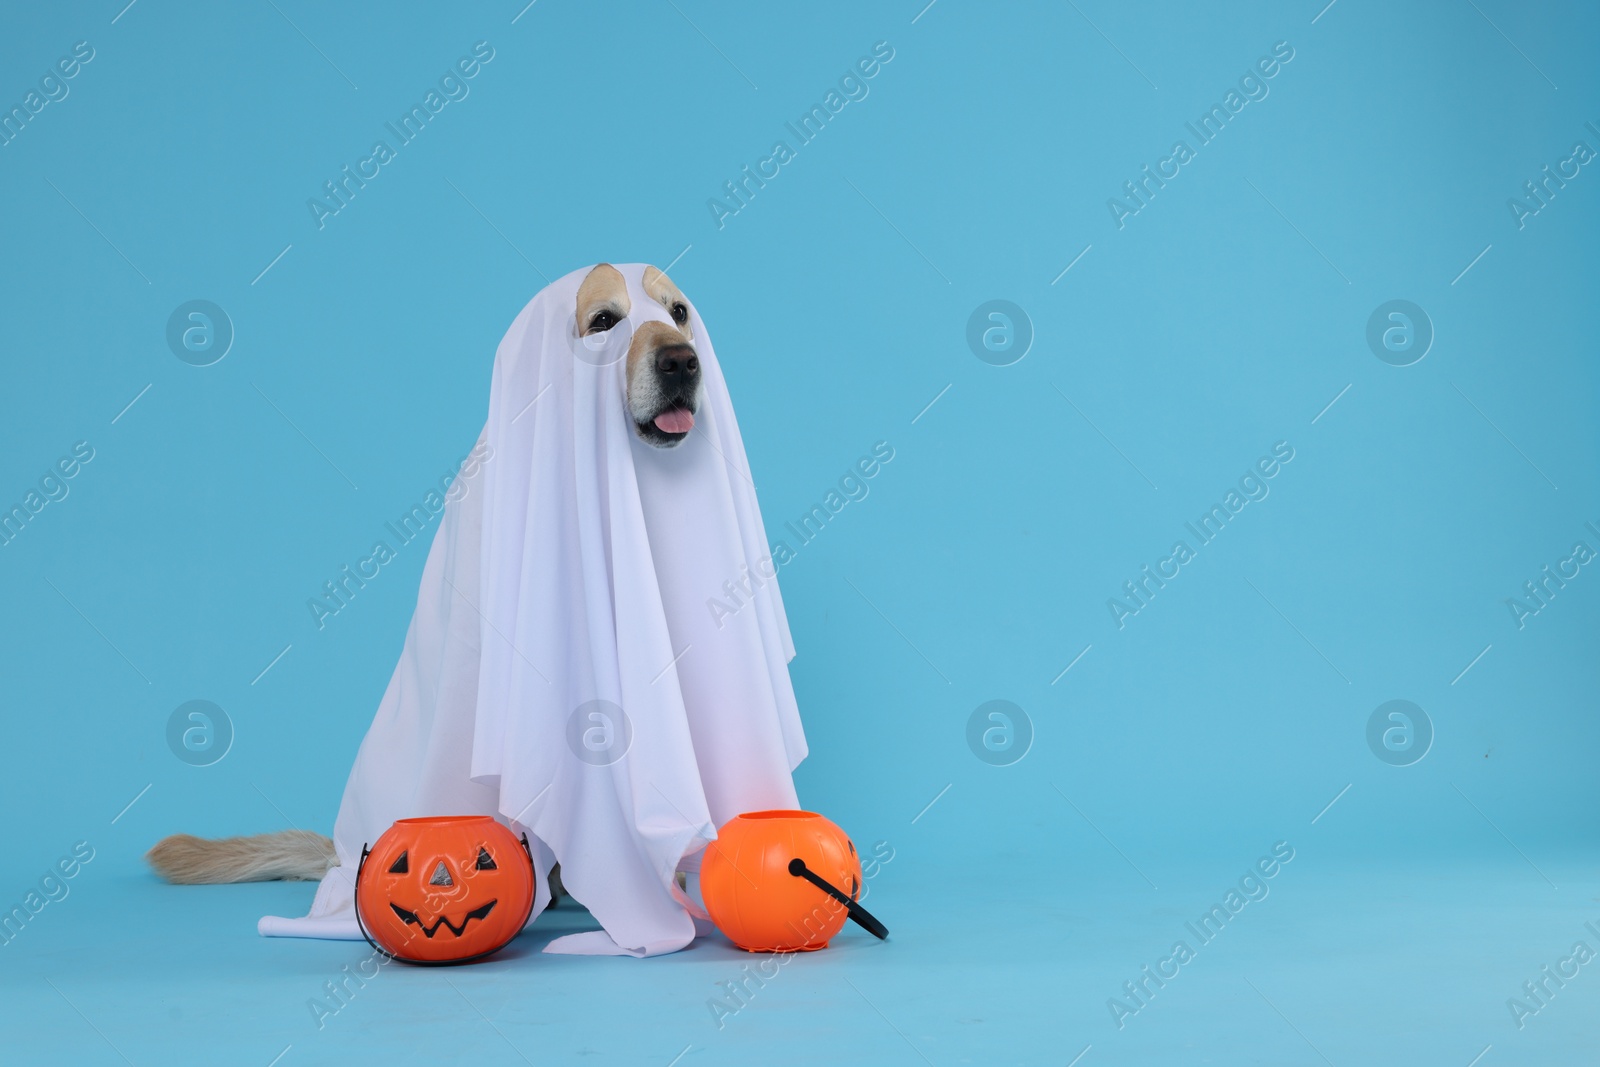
{"points": [[680, 314], [602, 322]]}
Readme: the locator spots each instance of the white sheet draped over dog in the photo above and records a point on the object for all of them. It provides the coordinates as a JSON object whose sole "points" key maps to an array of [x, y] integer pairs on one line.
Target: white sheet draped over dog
{"points": [[576, 567]]}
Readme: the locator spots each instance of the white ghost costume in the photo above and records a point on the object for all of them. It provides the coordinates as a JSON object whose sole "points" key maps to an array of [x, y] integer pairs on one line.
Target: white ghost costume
{"points": [[578, 665]]}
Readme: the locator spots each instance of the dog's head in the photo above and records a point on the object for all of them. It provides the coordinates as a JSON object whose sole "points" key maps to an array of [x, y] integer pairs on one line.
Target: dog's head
{"points": [[663, 369]]}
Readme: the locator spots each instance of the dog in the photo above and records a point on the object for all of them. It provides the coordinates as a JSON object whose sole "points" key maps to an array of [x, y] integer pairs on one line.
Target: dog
{"points": [[663, 395]]}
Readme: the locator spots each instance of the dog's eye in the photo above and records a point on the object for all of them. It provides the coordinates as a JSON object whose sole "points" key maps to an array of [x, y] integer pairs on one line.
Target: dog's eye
{"points": [[680, 313], [602, 322]]}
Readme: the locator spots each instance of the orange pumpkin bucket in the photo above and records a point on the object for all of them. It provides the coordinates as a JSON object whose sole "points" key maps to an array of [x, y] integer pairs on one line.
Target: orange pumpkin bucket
{"points": [[447, 889], [783, 881]]}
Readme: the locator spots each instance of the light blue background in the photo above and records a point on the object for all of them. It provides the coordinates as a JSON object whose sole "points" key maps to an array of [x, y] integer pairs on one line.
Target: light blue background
{"points": [[1223, 317]]}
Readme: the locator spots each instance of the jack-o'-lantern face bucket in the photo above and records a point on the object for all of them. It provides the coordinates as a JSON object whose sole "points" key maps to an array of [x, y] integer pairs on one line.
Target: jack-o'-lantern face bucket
{"points": [[444, 890]]}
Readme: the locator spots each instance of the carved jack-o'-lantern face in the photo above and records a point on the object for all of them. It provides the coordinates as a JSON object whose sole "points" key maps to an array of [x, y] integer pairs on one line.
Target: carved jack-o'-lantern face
{"points": [[444, 890]]}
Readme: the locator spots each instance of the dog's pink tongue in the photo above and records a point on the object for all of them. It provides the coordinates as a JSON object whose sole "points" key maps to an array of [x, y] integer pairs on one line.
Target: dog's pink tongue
{"points": [[675, 420]]}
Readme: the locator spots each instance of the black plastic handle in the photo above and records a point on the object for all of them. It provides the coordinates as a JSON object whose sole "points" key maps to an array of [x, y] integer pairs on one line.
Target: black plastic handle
{"points": [[862, 916]]}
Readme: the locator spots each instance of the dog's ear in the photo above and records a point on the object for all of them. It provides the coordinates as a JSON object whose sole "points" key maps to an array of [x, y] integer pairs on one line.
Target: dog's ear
{"points": [[603, 293], [663, 292]]}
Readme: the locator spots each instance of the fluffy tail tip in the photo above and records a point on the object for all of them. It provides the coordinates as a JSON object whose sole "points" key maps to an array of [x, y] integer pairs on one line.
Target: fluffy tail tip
{"points": [[289, 855]]}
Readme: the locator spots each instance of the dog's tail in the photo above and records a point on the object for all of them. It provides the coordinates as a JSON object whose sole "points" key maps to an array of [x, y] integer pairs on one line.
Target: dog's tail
{"points": [[288, 855]]}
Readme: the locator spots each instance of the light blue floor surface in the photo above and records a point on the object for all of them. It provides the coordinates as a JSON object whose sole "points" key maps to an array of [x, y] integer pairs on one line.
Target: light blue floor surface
{"points": [[1338, 964]]}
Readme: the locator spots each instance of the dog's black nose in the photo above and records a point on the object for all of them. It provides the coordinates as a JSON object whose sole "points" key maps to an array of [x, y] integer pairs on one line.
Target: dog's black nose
{"points": [[677, 364]]}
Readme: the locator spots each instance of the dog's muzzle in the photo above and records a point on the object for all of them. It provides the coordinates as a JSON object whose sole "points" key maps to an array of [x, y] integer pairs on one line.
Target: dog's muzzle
{"points": [[675, 369]]}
